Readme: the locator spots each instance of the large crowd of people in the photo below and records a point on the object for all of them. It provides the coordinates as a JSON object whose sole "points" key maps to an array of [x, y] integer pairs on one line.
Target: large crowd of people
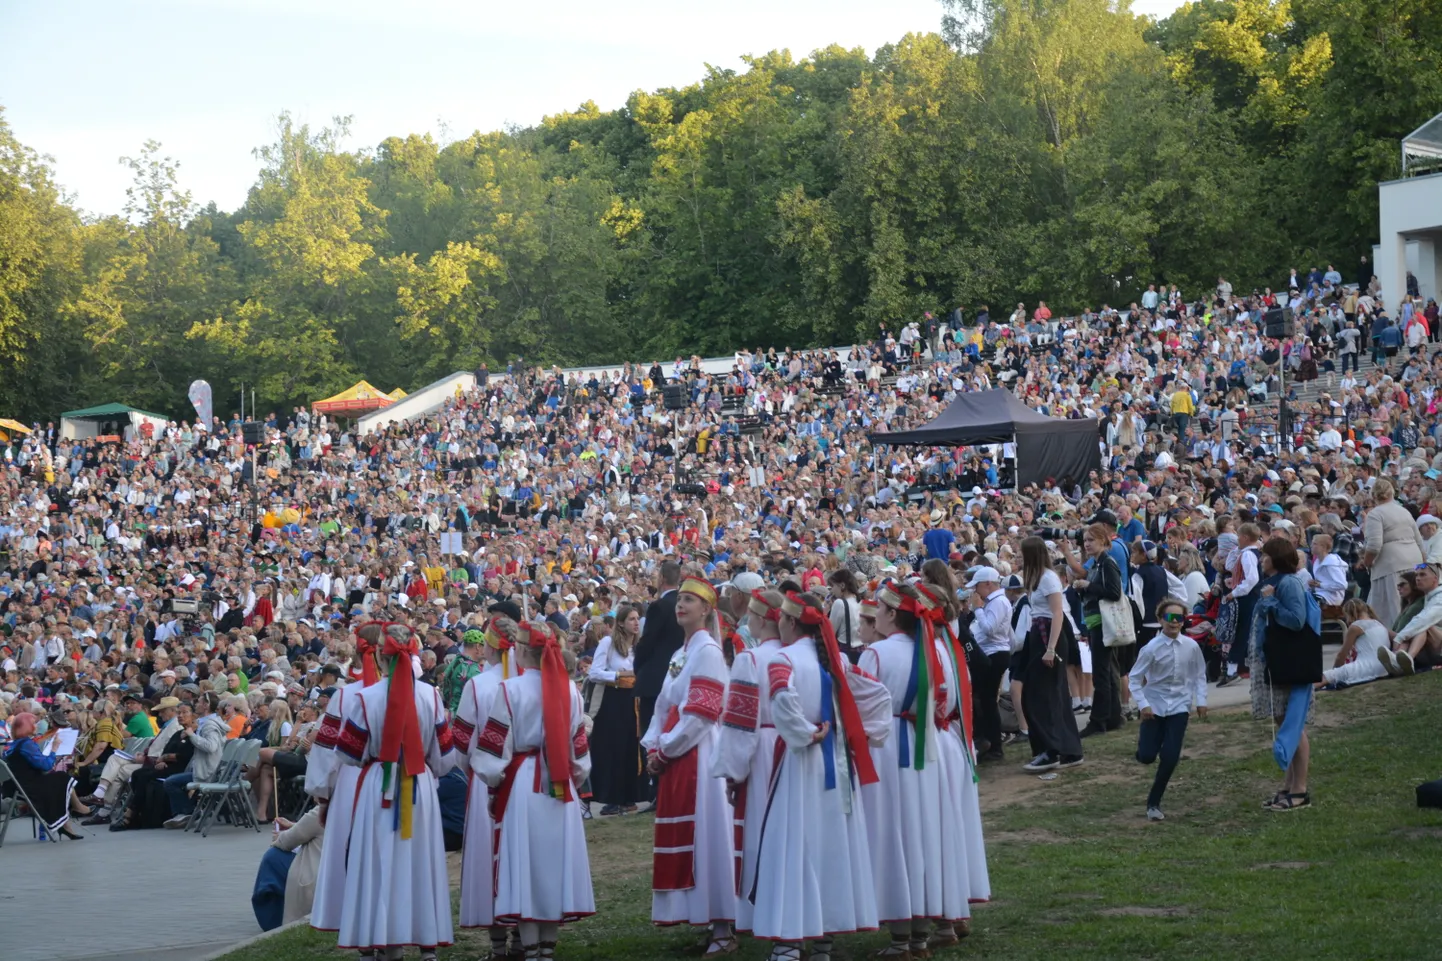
{"points": [[555, 597]]}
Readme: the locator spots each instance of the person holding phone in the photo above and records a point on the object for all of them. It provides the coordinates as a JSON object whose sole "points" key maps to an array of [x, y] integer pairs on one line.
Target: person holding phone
{"points": [[1170, 673]]}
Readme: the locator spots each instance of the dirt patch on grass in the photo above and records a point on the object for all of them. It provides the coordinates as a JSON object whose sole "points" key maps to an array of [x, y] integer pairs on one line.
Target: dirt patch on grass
{"points": [[1283, 865], [1418, 834], [1143, 911]]}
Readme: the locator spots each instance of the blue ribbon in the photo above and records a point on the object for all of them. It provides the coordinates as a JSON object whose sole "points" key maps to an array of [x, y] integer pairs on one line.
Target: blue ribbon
{"points": [[908, 702], [828, 743]]}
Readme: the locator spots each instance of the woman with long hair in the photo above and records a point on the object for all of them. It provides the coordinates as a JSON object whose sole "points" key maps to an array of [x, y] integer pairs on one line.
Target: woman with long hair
{"points": [[845, 611], [813, 877], [617, 773], [1364, 637], [263, 774], [1046, 700]]}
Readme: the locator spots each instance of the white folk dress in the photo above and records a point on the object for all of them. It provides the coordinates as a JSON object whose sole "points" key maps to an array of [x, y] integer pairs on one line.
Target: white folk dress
{"points": [[542, 869], [814, 873], [904, 809], [693, 855], [327, 777], [961, 834], [746, 752], [396, 889], [478, 865]]}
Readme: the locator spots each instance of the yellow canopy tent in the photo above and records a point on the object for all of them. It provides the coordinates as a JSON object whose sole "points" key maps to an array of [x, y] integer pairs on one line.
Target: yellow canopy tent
{"points": [[397, 394], [8, 427], [359, 399]]}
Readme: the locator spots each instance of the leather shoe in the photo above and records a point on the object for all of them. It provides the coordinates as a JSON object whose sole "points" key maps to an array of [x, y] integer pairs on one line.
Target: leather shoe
{"points": [[1089, 730]]}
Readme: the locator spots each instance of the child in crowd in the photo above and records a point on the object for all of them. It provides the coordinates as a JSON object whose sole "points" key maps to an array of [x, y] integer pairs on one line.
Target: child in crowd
{"points": [[1169, 673]]}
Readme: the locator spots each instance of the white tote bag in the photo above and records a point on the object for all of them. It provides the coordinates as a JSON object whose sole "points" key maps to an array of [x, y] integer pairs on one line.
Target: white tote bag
{"points": [[1118, 627]]}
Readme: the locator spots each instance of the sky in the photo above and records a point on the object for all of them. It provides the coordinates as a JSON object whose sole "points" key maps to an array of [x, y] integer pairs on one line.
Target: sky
{"points": [[88, 82]]}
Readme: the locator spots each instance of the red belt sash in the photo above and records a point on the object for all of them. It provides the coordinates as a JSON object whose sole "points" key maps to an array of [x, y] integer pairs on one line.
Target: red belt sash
{"points": [[673, 854], [501, 796]]}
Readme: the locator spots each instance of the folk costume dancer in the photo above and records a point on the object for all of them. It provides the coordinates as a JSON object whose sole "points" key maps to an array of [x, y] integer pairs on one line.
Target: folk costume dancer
{"points": [[747, 745], [814, 878], [960, 829], [397, 732], [904, 808], [333, 784], [478, 856], [693, 866], [534, 755]]}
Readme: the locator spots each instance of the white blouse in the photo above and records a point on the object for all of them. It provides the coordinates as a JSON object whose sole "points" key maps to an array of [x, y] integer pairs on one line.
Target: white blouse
{"points": [[608, 662]]}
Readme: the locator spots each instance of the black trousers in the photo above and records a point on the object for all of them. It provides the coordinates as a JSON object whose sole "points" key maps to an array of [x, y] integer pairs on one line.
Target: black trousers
{"points": [[646, 709], [1106, 686], [1161, 736], [985, 689]]}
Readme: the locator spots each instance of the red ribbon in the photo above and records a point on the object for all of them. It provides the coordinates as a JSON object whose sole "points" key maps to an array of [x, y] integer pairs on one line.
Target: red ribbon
{"points": [[930, 617], [850, 716], [555, 707], [402, 739]]}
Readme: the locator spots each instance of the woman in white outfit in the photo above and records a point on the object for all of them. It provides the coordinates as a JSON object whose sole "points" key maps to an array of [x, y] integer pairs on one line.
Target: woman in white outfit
{"points": [[533, 754], [478, 856], [1365, 636]]}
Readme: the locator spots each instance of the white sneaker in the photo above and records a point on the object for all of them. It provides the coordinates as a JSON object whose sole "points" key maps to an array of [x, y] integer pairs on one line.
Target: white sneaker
{"points": [[179, 821], [1404, 663], [1388, 661], [1155, 814]]}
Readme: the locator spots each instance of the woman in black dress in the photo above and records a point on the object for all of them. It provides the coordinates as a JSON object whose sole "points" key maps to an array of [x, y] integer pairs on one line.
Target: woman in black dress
{"points": [[617, 777], [1046, 699]]}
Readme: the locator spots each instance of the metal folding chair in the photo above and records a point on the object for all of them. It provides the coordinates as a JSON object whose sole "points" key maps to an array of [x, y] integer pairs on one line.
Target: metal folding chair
{"points": [[209, 797], [229, 792], [9, 806]]}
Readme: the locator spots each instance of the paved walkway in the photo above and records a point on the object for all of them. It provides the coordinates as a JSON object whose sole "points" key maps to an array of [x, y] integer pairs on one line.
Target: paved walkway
{"points": [[78, 900]]}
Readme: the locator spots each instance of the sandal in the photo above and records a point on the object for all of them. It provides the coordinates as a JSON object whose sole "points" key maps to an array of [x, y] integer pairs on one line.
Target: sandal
{"points": [[895, 951], [820, 949], [547, 950], [944, 936], [725, 944], [1291, 802], [1274, 799], [785, 952]]}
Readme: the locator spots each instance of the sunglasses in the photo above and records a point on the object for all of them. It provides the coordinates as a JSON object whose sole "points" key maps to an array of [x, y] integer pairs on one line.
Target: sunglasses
{"points": [[1172, 617]]}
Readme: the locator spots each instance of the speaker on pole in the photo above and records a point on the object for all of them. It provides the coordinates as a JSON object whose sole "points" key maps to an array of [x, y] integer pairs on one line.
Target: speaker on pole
{"points": [[673, 396], [253, 432], [1277, 322]]}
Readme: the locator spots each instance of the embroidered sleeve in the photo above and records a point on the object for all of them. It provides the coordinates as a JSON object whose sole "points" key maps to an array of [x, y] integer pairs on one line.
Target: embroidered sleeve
{"points": [[352, 741], [492, 739], [742, 704], [778, 675], [580, 747], [462, 732], [445, 740], [704, 698], [329, 733]]}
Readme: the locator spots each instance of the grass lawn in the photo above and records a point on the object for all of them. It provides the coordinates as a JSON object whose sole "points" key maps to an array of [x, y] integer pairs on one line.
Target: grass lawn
{"points": [[1078, 873]]}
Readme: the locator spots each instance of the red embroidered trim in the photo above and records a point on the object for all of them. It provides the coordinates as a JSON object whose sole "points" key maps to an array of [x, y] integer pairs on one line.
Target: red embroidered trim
{"points": [[743, 703], [580, 747], [445, 740], [493, 737], [352, 741], [462, 733], [778, 675], [704, 698], [329, 732]]}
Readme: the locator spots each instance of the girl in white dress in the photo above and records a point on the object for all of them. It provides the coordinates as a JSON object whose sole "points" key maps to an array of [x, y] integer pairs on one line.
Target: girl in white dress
{"points": [[747, 746], [693, 869], [397, 732], [1366, 636], [478, 857], [533, 754], [813, 878]]}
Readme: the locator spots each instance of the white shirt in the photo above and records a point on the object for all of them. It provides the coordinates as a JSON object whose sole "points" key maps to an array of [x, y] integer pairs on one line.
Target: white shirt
{"points": [[1331, 573], [607, 662], [991, 629], [1429, 616], [1168, 675]]}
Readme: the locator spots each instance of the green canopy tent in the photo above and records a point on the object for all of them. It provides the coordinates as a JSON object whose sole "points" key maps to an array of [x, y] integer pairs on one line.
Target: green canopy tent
{"points": [[108, 419]]}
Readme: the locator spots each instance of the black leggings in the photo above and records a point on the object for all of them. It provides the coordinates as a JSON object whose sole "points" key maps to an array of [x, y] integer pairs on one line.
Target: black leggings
{"points": [[1161, 736], [985, 689]]}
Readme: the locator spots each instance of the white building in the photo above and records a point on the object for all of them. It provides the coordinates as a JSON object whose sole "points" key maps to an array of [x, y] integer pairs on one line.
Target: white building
{"points": [[1411, 217]]}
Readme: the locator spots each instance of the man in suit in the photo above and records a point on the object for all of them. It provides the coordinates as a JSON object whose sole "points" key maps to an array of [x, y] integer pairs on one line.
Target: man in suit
{"points": [[661, 637]]}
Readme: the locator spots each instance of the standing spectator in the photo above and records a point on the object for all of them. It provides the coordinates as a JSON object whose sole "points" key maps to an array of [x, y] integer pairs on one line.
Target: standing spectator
{"points": [[1170, 674], [661, 637], [1391, 545], [1045, 697], [991, 629]]}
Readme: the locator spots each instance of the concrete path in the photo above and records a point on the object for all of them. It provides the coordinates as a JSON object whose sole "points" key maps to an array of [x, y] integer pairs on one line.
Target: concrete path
{"points": [[132, 896]]}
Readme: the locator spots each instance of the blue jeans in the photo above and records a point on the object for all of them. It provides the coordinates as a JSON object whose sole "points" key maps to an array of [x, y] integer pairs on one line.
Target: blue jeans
{"points": [[180, 802], [1161, 736]]}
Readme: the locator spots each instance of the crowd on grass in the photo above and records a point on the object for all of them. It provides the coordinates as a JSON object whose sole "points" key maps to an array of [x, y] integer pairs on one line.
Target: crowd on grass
{"points": [[160, 588]]}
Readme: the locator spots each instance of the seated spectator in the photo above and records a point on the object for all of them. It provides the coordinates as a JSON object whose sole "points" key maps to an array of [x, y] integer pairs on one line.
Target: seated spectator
{"points": [[285, 884], [1419, 642], [44, 778], [1363, 640]]}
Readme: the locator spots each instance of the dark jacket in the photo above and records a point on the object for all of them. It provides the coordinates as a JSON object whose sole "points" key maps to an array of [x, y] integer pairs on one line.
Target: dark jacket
{"points": [[1154, 590], [1104, 583], [660, 638]]}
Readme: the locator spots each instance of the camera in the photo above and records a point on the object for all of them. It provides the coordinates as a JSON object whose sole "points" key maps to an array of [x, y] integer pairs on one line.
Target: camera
{"points": [[1060, 534]]}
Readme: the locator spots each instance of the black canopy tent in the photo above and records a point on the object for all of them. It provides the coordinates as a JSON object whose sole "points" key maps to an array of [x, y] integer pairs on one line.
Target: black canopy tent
{"points": [[1045, 446]]}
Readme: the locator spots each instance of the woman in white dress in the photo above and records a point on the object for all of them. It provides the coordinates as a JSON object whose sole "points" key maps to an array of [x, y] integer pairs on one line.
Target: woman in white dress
{"points": [[904, 809], [693, 869], [1365, 635], [397, 732], [333, 785], [478, 856], [747, 746], [813, 878], [533, 754]]}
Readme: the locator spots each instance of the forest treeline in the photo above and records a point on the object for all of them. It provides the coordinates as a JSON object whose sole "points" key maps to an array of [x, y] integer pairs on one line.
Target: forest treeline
{"points": [[1062, 150]]}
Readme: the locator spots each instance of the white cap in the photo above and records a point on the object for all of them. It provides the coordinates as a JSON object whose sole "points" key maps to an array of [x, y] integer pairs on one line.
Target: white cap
{"points": [[984, 575], [1428, 519]]}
